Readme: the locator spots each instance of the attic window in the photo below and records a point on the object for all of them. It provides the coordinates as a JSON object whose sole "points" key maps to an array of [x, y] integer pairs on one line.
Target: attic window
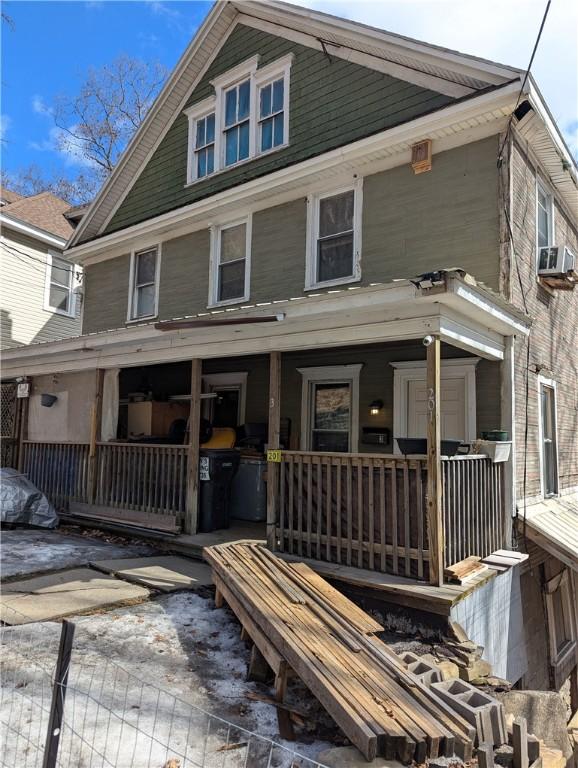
{"points": [[248, 116]]}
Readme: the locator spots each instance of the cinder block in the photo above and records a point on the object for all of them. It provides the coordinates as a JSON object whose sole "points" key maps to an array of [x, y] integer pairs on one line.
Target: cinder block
{"points": [[424, 670], [482, 711]]}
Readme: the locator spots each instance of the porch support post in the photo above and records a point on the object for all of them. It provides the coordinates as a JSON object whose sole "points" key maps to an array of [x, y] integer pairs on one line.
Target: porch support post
{"points": [[435, 521], [22, 434], [508, 419], [273, 443], [192, 503], [95, 434]]}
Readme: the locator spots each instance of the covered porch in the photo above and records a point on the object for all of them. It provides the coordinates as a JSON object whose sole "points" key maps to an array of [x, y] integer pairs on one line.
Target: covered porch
{"points": [[328, 382]]}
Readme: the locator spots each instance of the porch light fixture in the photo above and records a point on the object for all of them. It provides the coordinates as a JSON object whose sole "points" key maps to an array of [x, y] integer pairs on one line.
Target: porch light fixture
{"points": [[375, 407]]}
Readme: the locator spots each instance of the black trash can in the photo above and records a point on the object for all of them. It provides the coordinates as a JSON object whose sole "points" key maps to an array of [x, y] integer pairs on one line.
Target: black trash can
{"points": [[218, 467]]}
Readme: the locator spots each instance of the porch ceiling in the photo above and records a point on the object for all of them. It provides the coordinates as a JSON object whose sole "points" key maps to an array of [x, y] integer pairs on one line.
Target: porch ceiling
{"points": [[463, 313]]}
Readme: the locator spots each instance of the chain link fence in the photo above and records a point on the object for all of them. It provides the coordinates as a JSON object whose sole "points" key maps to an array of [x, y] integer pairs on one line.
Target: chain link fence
{"points": [[59, 710]]}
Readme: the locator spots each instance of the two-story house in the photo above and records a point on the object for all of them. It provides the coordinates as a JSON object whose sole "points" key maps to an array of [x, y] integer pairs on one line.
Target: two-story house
{"points": [[38, 295], [330, 238]]}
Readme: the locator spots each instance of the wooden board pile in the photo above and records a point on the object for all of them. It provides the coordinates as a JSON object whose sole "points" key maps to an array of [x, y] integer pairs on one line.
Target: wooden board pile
{"points": [[296, 619]]}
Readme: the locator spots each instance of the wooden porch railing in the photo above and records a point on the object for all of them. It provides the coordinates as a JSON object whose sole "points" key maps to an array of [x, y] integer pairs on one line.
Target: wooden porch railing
{"points": [[59, 470], [150, 479], [475, 517], [362, 510], [370, 511]]}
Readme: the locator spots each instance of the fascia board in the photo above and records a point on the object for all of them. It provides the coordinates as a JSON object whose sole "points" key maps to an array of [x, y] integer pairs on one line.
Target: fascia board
{"points": [[29, 229]]}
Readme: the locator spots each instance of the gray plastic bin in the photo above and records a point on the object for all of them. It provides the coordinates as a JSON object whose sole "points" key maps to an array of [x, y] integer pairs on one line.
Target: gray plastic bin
{"points": [[249, 491]]}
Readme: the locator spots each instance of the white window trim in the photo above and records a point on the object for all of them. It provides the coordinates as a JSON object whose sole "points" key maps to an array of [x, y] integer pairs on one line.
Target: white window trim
{"points": [[313, 201], [416, 370], [215, 250], [194, 114], [48, 281], [545, 189], [281, 68], [258, 77], [330, 374], [543, 380], [131, 288], [234, 380]]}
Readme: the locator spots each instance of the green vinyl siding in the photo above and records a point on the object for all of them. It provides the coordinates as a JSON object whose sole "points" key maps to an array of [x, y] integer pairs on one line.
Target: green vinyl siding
{"points": [[447, 217], [332, 102], [106, 294], [411, 224]]}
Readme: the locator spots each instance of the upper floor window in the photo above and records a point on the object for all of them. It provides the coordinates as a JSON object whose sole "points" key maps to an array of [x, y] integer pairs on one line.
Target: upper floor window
{"points": [[144, 282], [548, 437], [230, 263], [544, 217], [59, 286], [248, 116], [202, 140], [237, 122], [334, 237]]}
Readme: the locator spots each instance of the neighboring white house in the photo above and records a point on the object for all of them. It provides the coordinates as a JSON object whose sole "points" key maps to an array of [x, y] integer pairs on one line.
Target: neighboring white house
{"points": [[40, 297]]}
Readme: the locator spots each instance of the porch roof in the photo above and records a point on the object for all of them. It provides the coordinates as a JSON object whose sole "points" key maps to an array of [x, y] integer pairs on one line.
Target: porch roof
{"points": [[553, 525], [449, 303]]}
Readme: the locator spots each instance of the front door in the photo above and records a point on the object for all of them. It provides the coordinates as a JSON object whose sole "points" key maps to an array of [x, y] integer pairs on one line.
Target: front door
{"points": [[453, 409]]}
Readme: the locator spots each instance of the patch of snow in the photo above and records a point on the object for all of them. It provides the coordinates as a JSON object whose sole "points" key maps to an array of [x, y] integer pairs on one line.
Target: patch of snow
{"points": [[150, 682]]}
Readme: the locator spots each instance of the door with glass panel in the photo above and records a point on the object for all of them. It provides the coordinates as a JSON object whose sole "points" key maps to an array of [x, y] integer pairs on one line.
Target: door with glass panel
{"points": [[549, 445], [330, 416]]}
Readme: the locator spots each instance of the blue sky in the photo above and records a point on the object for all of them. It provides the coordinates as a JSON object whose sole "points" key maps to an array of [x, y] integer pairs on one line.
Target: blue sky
{"points": [[53, 43]]}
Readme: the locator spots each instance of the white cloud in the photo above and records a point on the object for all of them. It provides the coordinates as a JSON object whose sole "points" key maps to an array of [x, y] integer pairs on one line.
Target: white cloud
{"points": [[4, 126], [501, 30], [58, 141], [39, 106]]}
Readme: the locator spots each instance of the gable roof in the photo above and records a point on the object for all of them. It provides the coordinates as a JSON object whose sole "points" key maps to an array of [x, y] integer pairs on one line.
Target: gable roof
{"points": [[45, 211], [448, 72]]}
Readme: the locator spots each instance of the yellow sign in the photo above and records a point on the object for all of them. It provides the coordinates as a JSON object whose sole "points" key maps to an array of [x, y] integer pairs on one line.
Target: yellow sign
{"points": [[274, 456]]}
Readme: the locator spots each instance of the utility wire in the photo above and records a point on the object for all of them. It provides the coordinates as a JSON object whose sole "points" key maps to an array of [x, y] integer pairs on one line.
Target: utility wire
{"points": [[524, 81], [14, 251]]}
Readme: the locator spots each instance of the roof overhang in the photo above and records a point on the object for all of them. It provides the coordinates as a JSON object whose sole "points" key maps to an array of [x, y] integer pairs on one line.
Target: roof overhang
{"points": [[547, 144], [552, 524], [457, 124], [448, 71], [25, 228], [462, 313]]}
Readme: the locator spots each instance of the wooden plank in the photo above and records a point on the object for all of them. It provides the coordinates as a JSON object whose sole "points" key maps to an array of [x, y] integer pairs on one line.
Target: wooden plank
{"points": [[191, 522], [273, 438], [382, 533], [434, 470], [125, 516]]}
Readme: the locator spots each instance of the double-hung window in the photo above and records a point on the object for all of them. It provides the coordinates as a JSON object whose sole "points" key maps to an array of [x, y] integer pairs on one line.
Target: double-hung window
{"points": [[248, 116], [58, 292], [202, 140], [237, 122], [544, 217], [334, 237], [548, 437], [230, 263], [143, 300]]}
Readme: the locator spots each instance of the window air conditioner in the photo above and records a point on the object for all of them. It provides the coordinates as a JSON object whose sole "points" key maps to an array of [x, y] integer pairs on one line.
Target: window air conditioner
{"points": [[555, 260]]}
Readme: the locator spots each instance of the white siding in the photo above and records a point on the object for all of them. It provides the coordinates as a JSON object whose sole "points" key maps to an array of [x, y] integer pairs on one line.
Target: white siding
{"points": [[23, 319]]}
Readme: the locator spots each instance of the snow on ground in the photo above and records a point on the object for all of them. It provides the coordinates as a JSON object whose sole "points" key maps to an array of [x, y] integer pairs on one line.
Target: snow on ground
{"points": [[26, 551], [192, 661]]}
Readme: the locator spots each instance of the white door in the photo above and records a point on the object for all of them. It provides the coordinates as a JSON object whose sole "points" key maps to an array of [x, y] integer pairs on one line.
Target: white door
{"points": [[453, 408]]}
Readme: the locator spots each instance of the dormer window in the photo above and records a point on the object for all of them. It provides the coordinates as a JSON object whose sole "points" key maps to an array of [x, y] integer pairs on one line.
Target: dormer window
{"points": [[247, 117], [237, 122]]}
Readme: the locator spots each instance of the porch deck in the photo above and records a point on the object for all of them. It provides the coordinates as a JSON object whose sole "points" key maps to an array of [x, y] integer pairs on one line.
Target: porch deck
{"points": [[389, 588]]}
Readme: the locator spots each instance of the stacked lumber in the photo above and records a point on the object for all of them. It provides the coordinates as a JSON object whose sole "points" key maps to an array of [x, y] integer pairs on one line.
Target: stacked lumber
{"points": [[465, 570], [297, 619]]}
